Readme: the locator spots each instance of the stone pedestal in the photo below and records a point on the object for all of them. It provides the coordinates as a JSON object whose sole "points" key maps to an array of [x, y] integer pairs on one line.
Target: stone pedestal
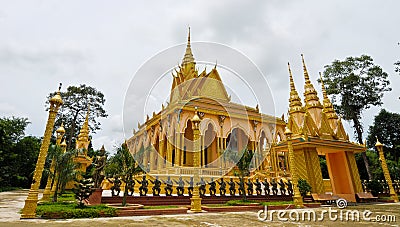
{"points": [[95, 197]]}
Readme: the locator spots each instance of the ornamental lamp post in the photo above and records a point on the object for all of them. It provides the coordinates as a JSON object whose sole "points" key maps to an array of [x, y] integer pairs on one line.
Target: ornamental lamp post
{"points": [[385, 170], [195, 204], [29, 210], [297, 198]]}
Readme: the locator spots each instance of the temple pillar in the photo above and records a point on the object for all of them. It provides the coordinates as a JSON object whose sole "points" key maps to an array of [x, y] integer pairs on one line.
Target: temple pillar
{"points": [[160, 159], [178, 150]]}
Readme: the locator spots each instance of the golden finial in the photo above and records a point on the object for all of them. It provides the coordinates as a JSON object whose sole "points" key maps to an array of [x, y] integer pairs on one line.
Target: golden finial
{"points": [[61, 129], [56, 99], [292, 87], [378, 144], [188, 57], [323, 86], [306, 77], [196, 117], [63, 144]]}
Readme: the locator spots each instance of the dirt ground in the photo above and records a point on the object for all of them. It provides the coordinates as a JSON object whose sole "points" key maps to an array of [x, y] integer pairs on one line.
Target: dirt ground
{"points": [[12, 202]]}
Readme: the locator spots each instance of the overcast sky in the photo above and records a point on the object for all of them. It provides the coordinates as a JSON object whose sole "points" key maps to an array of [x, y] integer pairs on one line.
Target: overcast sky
{"points": [[103, 43]]}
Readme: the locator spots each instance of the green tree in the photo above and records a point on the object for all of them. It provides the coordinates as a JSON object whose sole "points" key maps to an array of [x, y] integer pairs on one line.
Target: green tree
{"points": [[65, 168], [73, 111], [124, 165], [83, 189], [356, 84], [18, 154], [243, 160], [386, 127]]}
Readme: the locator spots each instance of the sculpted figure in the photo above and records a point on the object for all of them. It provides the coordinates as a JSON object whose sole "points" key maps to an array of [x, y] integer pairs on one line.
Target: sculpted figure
{"points": [[190, 188], [156, 186], [99, 164], [168, 186], [232, 187], [144, 186], [266, 186], [202, 187], [222, 186], [282, 187], [258, 187], [249, 187], [212, 188], [181, 186], [274, 187]]}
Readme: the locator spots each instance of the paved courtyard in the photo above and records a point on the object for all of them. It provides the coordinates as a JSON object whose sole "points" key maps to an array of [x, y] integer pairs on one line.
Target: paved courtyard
{"points": [[12, 202]]}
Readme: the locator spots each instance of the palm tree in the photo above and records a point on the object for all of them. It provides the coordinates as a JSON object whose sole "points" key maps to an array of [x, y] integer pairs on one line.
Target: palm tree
{"points": [[64, 171], [124, 165]]}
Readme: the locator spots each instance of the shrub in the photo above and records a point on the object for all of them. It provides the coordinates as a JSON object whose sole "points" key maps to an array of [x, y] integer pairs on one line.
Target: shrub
{"points": [[304, 187], [67, 210], [375, 187]]}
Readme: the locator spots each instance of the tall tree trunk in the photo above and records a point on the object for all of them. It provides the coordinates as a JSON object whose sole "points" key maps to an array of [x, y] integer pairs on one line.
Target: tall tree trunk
{"points": [[358, 128], [72, 131]]}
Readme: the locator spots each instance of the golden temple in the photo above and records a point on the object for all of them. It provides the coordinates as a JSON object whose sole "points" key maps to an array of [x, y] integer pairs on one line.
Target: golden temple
{"points": [[164, 142]]}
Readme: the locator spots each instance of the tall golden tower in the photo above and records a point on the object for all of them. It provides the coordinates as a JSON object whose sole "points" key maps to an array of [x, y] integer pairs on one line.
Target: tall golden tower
{"points": [[29, 210]]}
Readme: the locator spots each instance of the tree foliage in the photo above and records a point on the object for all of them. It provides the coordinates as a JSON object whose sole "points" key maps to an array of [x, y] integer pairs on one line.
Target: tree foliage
{"points": [[83, 189], [18, 153], [73, 112], [355, 84], [123, 165], [386, 127]]}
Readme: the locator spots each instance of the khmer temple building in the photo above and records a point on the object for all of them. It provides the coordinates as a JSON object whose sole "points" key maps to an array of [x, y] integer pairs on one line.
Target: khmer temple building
{"points": [[164, 142]]}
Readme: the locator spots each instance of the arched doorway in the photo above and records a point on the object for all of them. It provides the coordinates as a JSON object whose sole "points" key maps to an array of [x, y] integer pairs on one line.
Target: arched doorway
{"points": [[210, 147]]}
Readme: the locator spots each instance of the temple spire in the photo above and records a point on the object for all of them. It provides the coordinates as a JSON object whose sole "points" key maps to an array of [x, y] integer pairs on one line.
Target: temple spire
{"points": [[310, 94], [294, 100], [188, 57], [306, 77], [83, 136], [327, 104]]}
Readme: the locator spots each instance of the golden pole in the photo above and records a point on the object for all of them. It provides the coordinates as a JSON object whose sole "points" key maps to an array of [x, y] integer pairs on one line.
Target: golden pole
{"points": [[29, 210], [46, 194], [385, 170], [297, 198], [195, 205]]}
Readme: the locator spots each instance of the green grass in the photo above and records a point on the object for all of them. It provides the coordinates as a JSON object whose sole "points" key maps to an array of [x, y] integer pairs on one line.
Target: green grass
{"points": [[240, 202], [68, 196], [160, 207], [70, 210], [274, 203], [5, 189]]}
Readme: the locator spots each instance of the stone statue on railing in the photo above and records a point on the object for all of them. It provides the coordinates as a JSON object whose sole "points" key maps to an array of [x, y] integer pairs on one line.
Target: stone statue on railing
{"points": [[266, 187], [191, 184], [212, 188], [258, 187], [289, 187], [130, 185], [144, 186], [181, 186], [222, 186], [156, 186], [282, 187], [249, 187], [274, 185], [99, 164], [116, 188], [168, 186], [232, 187], [241, 187], [202, 187]]}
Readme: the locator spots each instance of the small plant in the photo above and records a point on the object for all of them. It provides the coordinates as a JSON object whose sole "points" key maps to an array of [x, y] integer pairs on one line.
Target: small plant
{"points": [[83, 189], [304, 187], [374, 187]]}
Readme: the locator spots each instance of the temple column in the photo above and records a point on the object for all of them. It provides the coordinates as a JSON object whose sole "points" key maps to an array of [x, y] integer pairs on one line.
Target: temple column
{"points": [[182, 139], [203, 162], [169, 153], [152, 158], [160, 160], [178, 150]]}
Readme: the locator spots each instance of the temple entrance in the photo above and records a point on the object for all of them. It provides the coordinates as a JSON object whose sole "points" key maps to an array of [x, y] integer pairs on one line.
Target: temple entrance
{"points": [[210, 153]]}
